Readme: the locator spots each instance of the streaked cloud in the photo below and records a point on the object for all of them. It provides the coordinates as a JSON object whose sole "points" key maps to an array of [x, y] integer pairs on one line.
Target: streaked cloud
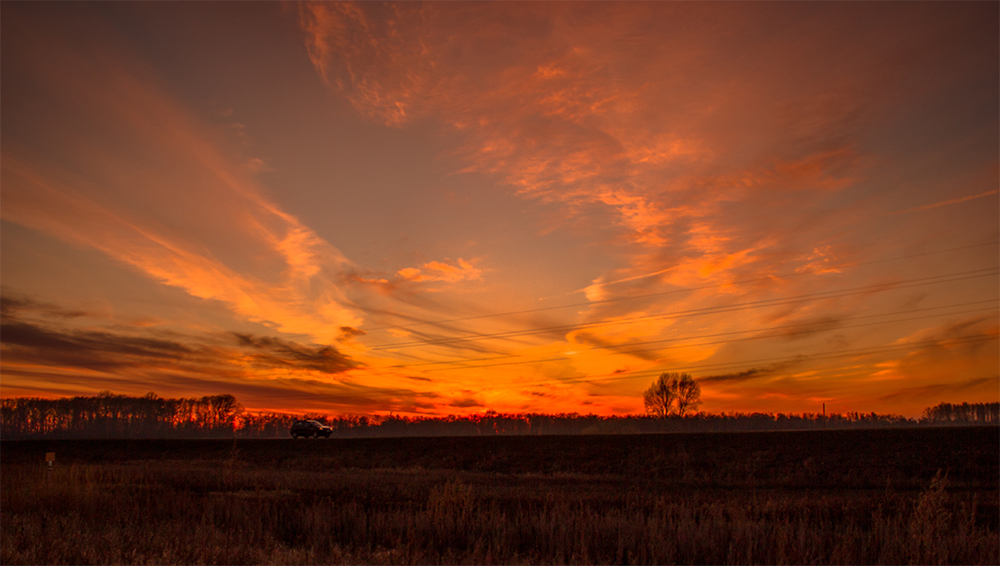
{"points": [[448, 207], [948, 202], [265, 371], [34, 336], [747, 375], [440, 271], [175, 206], [590, 106]]}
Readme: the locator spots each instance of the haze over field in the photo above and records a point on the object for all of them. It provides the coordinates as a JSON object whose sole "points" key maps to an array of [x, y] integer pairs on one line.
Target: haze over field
{"points": [[452, 207]]}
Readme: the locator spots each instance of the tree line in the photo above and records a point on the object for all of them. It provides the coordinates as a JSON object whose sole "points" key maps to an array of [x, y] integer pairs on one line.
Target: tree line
{"points": [[971, 413], [221, 416], [120, 416]]}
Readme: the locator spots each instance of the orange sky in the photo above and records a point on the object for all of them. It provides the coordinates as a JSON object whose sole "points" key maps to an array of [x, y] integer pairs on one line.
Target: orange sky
{"points": [[453, 207]]}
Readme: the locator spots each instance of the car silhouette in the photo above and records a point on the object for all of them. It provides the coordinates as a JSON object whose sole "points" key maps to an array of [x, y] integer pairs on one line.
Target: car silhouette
{"points": [[310, 429]]}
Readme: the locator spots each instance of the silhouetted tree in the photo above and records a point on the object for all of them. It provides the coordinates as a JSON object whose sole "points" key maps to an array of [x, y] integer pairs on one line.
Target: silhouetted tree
{"points": [[672, 394], [975, 413], [659, 398], [688, 393]]}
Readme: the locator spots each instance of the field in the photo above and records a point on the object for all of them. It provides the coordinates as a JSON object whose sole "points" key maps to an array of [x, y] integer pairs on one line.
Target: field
{"points": [[926, 495]]}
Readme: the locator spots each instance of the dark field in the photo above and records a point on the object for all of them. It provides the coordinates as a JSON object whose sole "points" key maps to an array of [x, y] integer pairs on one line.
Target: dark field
{"points": [[923, 495]]}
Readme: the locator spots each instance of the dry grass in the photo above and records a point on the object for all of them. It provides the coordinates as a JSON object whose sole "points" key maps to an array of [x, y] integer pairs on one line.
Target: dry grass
{"points": [[230, 511]]}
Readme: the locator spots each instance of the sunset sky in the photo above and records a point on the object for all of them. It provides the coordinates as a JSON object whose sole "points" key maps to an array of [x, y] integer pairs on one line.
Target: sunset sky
{"points": [[454, 207]]}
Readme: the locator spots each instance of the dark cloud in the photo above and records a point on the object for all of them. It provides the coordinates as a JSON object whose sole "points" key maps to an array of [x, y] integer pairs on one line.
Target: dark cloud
{"points": [[298, 394], [349, 332], [89, 349], [750, 374], [295, 394], [11, 305], [41, 357], [960, 329], [539, 394], [275, 352], [807, 327], [626, 347], [966, 347], [957, 340], [941, 390], [460, 341], [27, 336], [465, 403]]}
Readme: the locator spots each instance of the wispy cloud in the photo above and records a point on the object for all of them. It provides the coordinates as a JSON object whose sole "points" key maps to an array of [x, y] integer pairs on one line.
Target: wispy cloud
{"points": [[947, 202], [41, 353], [44, 352], [686, 157], [440, 271], [176, 206], [12, 304], [37, 338], [686, 168], [589, 107], [271, 352], [943, 390], [750, 374]]}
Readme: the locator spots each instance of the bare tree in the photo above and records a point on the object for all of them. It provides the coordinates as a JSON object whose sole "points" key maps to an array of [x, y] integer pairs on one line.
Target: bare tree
{"points": [[659, 398], [672, 394], [688, 393]]}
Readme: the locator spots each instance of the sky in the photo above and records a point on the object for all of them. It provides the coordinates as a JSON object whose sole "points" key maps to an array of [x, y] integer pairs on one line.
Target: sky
{"points": [[449, 208]]}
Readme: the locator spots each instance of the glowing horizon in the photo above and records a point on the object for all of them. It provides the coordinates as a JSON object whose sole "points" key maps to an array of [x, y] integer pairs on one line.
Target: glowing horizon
{"points": [[447, 208]]}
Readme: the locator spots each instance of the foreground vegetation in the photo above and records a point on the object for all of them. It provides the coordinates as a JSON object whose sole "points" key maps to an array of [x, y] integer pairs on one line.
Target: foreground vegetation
{"points": [[923, 496]]}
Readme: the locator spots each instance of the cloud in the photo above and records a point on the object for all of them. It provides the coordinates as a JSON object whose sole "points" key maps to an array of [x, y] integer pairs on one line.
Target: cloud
{"points": [[348, 333], [283, 393], [440, 271], [944, 390], [697, 142], [12, 305], [465, 403], [694, 149], [274, 352], [947, 202], [39, 355], [42, 353], [707, 155], [159, 189], [593, 105], [748, 375], [26, 342], [959, 346], [807, 327], [39, 343]]}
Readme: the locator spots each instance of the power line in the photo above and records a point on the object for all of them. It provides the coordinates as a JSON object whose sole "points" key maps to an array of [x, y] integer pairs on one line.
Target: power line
{"points": [[631, 352], [833, 354], [715, 335], [671, 292], [780, 327], [903, 284], [772, 361]]}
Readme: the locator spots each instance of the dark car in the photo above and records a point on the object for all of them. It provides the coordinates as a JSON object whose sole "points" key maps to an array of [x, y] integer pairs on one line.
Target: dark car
{"points": [[307, 429]]}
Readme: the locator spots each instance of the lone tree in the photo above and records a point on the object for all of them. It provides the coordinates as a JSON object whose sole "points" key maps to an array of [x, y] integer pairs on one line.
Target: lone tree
{"points": [[688, 394], [672, 394], [659, 398]]}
